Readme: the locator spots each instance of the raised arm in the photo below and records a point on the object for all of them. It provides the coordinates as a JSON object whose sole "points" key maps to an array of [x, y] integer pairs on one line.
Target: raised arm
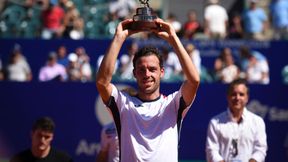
{"points": [[190, 85], [105, 72]]}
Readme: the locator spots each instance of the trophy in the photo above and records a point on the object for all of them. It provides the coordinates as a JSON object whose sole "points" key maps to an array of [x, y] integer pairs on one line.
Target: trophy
{"points": [[144, 18]]}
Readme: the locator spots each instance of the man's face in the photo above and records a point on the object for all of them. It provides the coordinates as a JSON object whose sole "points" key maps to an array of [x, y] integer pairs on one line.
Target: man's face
{"points": [[41, 139], [237, 97], [148, 74]]}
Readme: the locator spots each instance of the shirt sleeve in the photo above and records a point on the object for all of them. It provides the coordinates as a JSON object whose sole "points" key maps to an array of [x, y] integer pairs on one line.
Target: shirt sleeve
{"points": [[212, 144], [115, 99], [260, 147]]}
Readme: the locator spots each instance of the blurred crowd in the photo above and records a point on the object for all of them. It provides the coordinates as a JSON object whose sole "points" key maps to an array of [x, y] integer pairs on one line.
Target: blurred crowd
{"points": [[75, 66], [59, 66], [78, 19]]}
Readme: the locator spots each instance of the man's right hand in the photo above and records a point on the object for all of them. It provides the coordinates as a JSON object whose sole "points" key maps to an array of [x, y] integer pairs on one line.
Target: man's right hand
{"points": [[123, 29]]}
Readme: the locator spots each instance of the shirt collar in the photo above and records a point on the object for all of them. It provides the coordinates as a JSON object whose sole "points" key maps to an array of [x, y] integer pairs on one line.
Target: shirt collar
{"points": [[244, 115]]}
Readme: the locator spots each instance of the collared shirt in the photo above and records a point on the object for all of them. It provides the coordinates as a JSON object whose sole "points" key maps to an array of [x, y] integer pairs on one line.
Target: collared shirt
{"points": [[229, 140]]}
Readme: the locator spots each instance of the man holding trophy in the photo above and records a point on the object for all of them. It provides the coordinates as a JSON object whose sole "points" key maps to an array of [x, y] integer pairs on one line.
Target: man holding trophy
{"points": [[148, 123]]}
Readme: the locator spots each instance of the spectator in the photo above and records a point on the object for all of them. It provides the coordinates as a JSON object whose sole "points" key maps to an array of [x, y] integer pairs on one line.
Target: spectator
{"points": [[254, 65], [173, 70], [84, 62], [258, 71], [52, 18], [194, 54], [216, 20], [99, 60], [18, 68], [236, 30], [255, 21], [122, 8], [73, 69], [109, 150], [191, 26], [42, 135], [236, 134], [279, 15], [126, 62], [172, 19], [62, 55], [225, 67], [77, 31], [52, 71], [73, 23], [111, 25]]}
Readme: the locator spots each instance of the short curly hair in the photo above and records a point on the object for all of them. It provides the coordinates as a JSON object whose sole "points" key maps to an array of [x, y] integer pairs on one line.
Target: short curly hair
{"points": [[147, 51]]}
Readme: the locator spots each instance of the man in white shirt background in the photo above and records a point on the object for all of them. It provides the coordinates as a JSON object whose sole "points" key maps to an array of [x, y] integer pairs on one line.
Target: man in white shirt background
{"points": [[236, 134]]}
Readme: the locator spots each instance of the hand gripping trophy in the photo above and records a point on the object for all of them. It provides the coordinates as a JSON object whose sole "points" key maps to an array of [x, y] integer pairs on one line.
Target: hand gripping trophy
{"points": [[144, 18]]}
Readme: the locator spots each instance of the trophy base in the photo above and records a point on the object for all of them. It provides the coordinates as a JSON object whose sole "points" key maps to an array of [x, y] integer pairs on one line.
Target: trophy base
{"points": [[144, 25], [143, 20]]}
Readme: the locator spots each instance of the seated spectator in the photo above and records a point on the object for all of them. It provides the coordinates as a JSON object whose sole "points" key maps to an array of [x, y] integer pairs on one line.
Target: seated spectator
{"points": [[216, 20], [110, 27], [73, 68], [255, 21], [225, 68], [258, 71], [52, 18], [172, 66], [172, 19], [77, 31], [62, 55], [191, 26], [194, 55], [52, 71], [122, 8], [236, 30], [84, 62], [279, 15], [73, 23], [254, 65], [99, 60], [18, 68], [126, 62]]}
